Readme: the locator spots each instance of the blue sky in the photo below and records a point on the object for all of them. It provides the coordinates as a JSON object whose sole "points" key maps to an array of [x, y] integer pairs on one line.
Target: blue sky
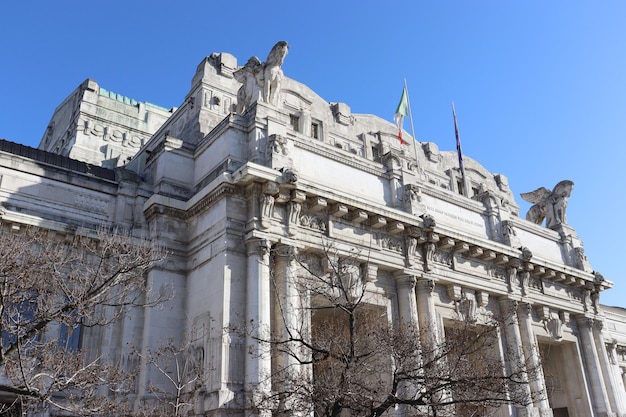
{"points": [[539, 86]]}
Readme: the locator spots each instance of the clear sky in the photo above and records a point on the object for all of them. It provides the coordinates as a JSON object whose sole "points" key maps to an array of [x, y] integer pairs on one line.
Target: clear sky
{"points": [[539, 86]]}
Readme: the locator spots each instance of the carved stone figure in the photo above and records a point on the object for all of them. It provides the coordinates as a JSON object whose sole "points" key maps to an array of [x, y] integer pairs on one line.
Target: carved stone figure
{"points": [[413, 199], [429, 221], [290, 175], [267, 209], [261, 80], [272, 73], [466, 306], [277, 144], [510, 235], [524, 280], [250, 76], [429, 252], [411, 245], [581, 261], [548, 204]]}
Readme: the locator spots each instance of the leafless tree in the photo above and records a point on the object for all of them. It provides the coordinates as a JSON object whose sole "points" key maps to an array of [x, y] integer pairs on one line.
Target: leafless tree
{"points": [[52, 286], [182, 366], [335, 350]]}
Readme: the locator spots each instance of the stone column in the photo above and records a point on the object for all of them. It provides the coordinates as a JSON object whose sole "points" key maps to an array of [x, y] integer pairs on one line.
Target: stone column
{"points": [[407, 309], [611, 380], [593, 368], [407, 302], [513, 343], [427, 313], [431, 332], [258, 360], [288, 323], [531, 353]]}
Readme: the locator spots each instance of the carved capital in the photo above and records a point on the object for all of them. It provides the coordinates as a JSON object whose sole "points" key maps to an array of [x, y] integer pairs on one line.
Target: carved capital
{"points": [[406, 281], [285, 251], [259, 247]]}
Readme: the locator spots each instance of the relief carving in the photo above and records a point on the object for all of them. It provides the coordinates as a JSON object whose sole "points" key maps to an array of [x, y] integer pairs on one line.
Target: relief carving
{"points": [[277, 144], [429, 252], [510, 235], [524, 280], [313, 222], [413, 199], [411, 246], [267, 209], [580, 260], [293, 208], [393, 244]]}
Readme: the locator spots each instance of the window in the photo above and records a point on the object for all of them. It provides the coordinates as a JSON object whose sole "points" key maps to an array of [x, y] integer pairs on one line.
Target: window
{"points": [[459, 186], [375, 154], [315, 130], [294, 121]]}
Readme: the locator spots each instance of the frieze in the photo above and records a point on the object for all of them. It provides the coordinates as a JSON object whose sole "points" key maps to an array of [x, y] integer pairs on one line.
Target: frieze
{"points": [[313, 222], [391, 243], [443, 257]]}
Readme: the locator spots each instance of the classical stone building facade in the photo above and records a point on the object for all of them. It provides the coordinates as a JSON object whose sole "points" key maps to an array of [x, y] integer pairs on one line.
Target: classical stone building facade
{"points": [[252, 162]]}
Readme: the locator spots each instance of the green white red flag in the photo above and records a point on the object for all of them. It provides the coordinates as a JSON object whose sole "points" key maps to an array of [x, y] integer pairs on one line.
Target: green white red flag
{"points": [[401, 111]]}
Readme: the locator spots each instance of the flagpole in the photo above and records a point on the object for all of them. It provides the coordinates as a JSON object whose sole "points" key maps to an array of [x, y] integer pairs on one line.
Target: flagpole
{"points": [[459, 152], [408, 101]]}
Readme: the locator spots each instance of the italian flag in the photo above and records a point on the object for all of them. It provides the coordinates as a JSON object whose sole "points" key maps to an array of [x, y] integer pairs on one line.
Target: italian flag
{"points": [[401, 111]]}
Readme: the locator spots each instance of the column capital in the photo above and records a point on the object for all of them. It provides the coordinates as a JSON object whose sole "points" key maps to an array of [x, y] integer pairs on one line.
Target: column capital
{"points": [[426, 285], [283, 250], [258, 247], [405, 280]]}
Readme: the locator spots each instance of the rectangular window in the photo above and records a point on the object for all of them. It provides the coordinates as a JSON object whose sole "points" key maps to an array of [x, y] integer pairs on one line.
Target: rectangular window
{"points": [[459, 187], [294, 121], [375, 154], [315, 130]]}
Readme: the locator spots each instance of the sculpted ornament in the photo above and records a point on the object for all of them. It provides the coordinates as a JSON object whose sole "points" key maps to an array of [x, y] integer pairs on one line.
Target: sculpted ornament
{"points": [[549, 205], [429, 221], [277, 144], [272, 73], [267, 209], [250, 76], [429, 252], [290, 175], [510, 235], [261, 80]]}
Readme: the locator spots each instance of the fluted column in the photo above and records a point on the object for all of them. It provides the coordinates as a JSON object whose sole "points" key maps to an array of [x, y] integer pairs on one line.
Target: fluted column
{"points": [[611, 379], [601, 404], [258, 360], [514, 353], [530, 348]]}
